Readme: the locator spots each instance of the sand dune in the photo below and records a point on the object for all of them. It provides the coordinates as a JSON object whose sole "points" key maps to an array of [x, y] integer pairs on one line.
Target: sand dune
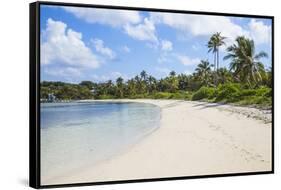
{"points": [[194, 139]]}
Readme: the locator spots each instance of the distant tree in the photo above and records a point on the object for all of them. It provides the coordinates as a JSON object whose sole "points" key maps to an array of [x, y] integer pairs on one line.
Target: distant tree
{"points": [[204, 72], [173, 82], [152, 84], [88, 84], [143, 75], [131, 87], [224, 76], [109, 86], [163, 85], [172, 73], [120, 87]]}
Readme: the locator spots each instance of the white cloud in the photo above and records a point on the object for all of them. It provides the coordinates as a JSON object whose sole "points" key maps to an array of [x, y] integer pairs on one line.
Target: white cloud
{"points": [[65, 46], [126, 49], [111, 76], [260, 32], [66, 72], [200, 25], [99, 46], [130, 21], [185, 60], [115, 18], [144, 31], [166, 45]]}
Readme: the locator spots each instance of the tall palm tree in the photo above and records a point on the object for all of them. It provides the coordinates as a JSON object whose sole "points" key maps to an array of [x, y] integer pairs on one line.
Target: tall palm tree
{"points": [[172, 81], [172, 73], [244, 61], [120, 86], [143, 75], [139, 84], [204, 72], [214, 43], [151, 83], [131, 85]]}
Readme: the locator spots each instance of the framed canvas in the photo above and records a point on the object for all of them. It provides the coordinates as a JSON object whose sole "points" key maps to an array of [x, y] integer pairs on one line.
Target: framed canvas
{"points": [[126, 94]]}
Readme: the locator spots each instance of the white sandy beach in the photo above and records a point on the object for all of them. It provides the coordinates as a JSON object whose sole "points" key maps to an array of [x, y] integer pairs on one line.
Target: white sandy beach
{"points": [[194, 138]]}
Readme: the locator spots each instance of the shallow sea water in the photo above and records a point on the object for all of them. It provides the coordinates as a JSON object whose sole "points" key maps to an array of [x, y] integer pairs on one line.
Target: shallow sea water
{"points": [[77, 135]]}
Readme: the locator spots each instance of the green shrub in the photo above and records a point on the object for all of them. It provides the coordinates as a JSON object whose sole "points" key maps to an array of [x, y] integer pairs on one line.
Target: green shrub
{"points": [[105, 97], [180, 95], [256, 100], [137, 96], [268, 93], [236, 93], [204, 93], [263, 91], [162, 95], [260, 97], [229, 92], [248, 92]]}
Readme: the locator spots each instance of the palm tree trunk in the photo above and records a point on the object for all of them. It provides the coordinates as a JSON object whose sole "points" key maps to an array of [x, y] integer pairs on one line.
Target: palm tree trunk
{"points": [[215, 69], [217, 65], [218, 59], [215, 61]]}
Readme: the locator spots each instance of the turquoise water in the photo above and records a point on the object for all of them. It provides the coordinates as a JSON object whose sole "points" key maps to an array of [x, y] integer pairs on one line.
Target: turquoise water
{"points": [[77, 135]]}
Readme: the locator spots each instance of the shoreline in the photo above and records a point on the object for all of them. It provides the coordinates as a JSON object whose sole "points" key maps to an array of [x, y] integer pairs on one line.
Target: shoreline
{"points": [[194, 138], [248, 111]]}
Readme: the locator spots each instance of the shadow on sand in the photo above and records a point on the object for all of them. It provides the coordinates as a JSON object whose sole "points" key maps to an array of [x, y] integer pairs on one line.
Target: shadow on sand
{"points": [[205, 105]]}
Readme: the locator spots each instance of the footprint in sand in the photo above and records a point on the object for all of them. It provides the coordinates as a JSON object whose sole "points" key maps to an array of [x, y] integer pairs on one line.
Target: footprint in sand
{"points": [[258, 156], [215, 127], [252, 156], [245, 151]]}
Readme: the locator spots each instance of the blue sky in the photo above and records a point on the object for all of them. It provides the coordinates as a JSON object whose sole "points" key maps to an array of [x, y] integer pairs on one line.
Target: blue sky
{"points": [[102, 44]]}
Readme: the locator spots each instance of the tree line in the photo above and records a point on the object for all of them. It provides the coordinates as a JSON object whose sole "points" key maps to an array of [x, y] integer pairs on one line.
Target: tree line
{"points": [[245, 70]]}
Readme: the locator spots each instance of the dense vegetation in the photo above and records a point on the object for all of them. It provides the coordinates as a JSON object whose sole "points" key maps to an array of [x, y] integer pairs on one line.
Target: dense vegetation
{"points": [[245, 82]]}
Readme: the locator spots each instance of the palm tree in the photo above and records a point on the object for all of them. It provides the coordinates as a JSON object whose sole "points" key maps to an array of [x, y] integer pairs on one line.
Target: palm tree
{"points": [[269, 77], [161, 85], [244, 61], [172, 73], [143, 75], [214, 43], [183, 81], [224, 75], [204, 72], [119, 84], [139, 85], [152, 82], [109, 87], [131, 86]]}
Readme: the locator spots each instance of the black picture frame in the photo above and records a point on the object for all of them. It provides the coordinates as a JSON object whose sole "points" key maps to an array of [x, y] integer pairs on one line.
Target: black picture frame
{"points": [[34, 93]]}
